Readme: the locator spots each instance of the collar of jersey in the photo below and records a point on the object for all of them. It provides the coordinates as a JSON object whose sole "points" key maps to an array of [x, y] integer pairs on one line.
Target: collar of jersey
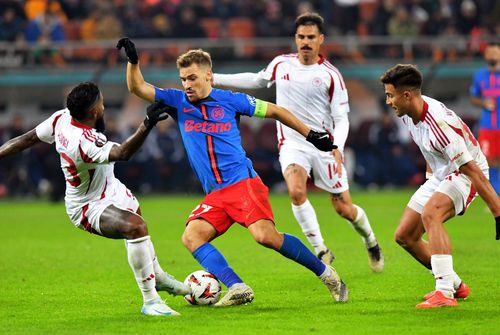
{"points": [[199, 102], [78, 124], [424, 112]]}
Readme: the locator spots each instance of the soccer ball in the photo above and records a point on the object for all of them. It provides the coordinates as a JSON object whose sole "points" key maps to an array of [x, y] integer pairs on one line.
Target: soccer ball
{"points": [[206, 288]]}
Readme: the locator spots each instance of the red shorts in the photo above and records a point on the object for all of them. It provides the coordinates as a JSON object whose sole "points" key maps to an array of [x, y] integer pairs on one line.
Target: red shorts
{"points": [[489, 140], [244, 202]]}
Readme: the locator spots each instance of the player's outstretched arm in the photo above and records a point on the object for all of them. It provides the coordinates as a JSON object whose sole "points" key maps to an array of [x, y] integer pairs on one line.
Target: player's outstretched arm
{"points": [[156, 112], [135, 81], [247, 80], [484, 188], [18, 144], [320, 140]]}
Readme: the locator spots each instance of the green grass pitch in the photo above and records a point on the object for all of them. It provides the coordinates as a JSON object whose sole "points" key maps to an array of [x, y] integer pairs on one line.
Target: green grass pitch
{"points": [[56, 279]]}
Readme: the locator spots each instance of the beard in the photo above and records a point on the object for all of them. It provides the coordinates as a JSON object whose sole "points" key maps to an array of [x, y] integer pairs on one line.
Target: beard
{"points": [[492, 62], [99, 125]]}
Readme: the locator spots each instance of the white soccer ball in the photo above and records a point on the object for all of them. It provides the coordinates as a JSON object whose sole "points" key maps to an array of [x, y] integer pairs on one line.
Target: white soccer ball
{"points": [[206, 288]]}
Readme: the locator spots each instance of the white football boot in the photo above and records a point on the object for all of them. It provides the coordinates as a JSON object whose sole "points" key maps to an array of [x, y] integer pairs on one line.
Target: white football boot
{"points": [[336, 286], [376, 258], [238, 294], [166, 282], [157, 307]]}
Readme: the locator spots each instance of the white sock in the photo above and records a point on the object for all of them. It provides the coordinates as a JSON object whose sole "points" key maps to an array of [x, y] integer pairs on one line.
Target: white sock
{"points": [[442, 267], [156, 264], [456, 280], [141, 263], [325, 273], [306, 217], [362, 226]]}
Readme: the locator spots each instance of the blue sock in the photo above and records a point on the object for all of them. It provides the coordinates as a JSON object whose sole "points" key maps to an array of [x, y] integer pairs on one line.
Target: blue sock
{"points": [[213, 261], [294, 249], [495, 179]]}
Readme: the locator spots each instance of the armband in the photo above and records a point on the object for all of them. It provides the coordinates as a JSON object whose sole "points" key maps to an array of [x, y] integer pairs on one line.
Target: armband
{"points": [[260, 108]]}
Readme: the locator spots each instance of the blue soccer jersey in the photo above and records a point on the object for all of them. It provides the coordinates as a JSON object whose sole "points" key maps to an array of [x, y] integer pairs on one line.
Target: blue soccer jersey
{"points": [[486, 85], [211, 135]]}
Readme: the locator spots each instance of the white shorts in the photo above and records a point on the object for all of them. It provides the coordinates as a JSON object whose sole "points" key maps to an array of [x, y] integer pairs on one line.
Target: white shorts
{"points": [[322, 165], [87, 216], [456, 186]]}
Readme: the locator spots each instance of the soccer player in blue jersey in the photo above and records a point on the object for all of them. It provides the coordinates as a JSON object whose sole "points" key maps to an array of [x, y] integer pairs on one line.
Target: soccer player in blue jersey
{"points": [[208, 120], [485, 93]]}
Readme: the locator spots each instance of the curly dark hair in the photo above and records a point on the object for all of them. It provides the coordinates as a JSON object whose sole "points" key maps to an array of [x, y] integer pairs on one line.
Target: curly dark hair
{"points": [[81, 98], [310, 19]]}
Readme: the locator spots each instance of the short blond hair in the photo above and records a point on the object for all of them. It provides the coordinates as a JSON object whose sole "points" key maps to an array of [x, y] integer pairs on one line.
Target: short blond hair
{"points": [[198, 56]]}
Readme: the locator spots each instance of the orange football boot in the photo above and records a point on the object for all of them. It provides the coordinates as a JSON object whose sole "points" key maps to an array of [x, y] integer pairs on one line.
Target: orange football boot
{"points": [[437, 299]]}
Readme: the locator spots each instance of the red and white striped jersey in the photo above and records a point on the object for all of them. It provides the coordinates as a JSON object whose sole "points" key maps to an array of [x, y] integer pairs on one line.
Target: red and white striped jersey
{"points": [[315, 94], [84, 156], [444, 139]]}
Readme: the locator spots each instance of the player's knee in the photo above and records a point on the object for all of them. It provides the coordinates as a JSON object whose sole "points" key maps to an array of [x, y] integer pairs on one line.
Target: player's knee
{"points": [[267, 239], [297, 195], [135, 228], [401, 238], [191, 241]]}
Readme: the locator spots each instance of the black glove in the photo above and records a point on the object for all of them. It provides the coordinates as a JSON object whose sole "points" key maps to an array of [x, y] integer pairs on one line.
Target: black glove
{"points": [[130, 50], [157, 111], [497, 221], [321, 140]]}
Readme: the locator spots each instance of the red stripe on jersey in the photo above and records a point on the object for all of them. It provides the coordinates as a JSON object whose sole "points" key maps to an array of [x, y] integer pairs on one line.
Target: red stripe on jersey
{"points": [[54, 124], [204, 112], [85, 220], [75, 181], [330, 175], [471, 196], [211, 151], [440, 131], [433, 147], [424, 111], [433, 129], [103, 194], [213, 159], [332, 87], [281, 136], [84, 156], [334, 69], [273, 77], [89, 136], [91, 178]]}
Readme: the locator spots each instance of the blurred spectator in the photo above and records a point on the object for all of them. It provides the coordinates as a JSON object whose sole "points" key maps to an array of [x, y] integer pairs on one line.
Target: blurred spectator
{"points": [[273, 23], [346, 15], [188, 25], [75, 9], [378, 26], [468, 17], [161, 26], [43, 30], [101, 24], [11, 26], [401, 24], [134, 26], [175, 175], [14, 169]]}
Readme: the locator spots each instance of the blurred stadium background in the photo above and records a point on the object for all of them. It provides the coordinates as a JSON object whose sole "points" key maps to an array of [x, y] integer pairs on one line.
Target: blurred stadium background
{"points": [[48, 46]]}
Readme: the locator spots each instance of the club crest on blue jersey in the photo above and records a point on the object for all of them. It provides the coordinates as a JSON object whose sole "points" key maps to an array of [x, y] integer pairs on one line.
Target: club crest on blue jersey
{"points": [[217, 113]]}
